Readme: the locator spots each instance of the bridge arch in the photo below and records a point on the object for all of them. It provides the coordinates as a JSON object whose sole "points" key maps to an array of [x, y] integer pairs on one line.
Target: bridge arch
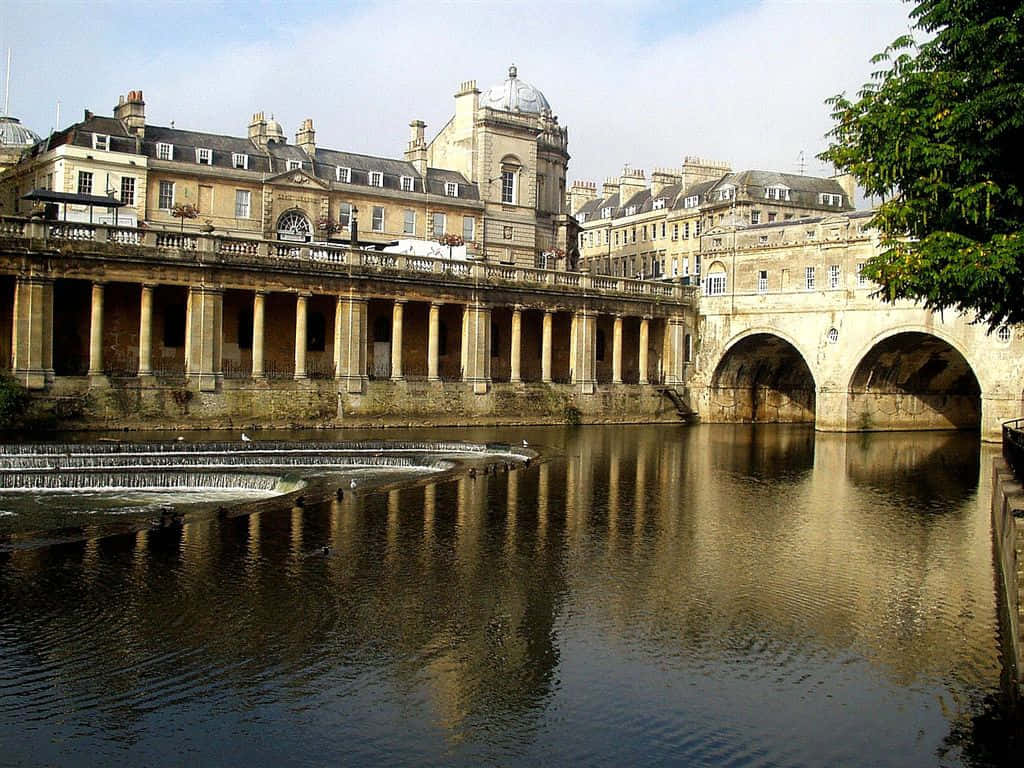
{"points": [[913, 377], [762, 376]]}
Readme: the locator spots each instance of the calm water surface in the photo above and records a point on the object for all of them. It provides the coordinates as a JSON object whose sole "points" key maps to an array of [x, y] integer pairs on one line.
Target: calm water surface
{"points": [[652, 595]]}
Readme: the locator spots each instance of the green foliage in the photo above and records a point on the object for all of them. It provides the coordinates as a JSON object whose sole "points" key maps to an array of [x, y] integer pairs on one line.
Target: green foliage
{"points": [[13, 401], [573, 416], [937, 137]]}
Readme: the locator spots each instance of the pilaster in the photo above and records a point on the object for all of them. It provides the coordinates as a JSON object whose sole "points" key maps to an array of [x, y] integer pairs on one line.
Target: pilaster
{"points": [[350, 343], [204, 338], [32, 335]]}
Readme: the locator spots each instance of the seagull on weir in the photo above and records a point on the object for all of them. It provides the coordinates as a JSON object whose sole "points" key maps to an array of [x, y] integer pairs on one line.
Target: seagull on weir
{"points": [[246, 438], [180, 439], [352, 484], [525, 444]]}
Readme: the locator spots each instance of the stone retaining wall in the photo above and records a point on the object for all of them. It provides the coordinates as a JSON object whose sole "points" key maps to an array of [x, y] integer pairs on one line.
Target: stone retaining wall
{"points": [[1008, 533]]}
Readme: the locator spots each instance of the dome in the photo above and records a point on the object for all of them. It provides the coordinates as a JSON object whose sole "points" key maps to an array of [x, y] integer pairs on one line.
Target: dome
{"points": [[274, 130], [14, 134], [514, 95]]}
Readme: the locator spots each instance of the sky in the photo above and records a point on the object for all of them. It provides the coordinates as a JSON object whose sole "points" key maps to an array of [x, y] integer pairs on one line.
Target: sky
{"points": [[641, 83]]}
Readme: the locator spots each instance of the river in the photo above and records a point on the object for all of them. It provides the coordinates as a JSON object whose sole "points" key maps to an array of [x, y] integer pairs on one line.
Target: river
{"points": [[655, 595]]}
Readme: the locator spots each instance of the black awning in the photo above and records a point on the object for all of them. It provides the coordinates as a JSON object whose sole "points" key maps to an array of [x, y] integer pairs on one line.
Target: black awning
{"points": [[68, 198]]}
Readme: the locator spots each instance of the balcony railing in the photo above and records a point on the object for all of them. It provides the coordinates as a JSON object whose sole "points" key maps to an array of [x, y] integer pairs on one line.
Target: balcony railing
{"points": [[327, 257]]}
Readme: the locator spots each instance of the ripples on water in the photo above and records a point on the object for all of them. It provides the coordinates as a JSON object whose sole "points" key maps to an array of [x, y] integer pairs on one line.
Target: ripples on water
{"points": [[693, 596]]}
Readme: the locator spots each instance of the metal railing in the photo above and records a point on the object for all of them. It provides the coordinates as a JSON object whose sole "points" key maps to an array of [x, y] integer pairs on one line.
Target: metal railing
{"points": [[1013, 446]]}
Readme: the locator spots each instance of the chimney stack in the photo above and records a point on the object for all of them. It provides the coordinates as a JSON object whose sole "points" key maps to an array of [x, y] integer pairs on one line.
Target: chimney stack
{"points": [[131, 111], [305, 138], [416, 152], [258, 130]]}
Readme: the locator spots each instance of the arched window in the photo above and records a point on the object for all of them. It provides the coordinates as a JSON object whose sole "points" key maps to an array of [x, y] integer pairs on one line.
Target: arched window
{"points": [[715, 280], [295, 227]]}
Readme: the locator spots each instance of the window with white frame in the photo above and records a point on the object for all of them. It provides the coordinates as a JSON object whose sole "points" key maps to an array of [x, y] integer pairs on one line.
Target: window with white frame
{"points": [[469, 228], [663, 230], [85, 182], [164, 151], [508, 186], [128, 190], [696, 264], [294, 165], [165, 199], [675, 231], [409, 222], [726, 193], [101, 141], [658, 204], [714, 285], [343, 174], [630, 210], [376, 178], [606, 213], [862, 278], [345, 215], [755, 217], [407, 183], [451, 189], [777, 192], [243, 201], [692, 201], [833, 276], [239, 160], [204, 155], [828, 199], [762, 281], [581, 217], [377, 221], [809, 278], [438, 220]]}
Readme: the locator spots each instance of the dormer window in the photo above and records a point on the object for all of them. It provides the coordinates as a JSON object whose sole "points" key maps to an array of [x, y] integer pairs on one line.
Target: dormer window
{"points": [[827, 199], [407, 183], [581, 217], [164, 151], [451, 189], [692, 201], [204, 155], [376, 179], [630, 210], [294, 165], [777, 192], [343, 174], [606, 213], [658, 204], [726, 193], [101, 141], [239, 160]]}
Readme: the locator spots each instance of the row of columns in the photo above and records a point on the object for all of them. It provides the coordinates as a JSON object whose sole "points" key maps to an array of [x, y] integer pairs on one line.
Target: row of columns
{"points": [[33, 339]]}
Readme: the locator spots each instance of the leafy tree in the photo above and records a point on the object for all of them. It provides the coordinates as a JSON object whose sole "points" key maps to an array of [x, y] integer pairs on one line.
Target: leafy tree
{"points": [[939, 137]]}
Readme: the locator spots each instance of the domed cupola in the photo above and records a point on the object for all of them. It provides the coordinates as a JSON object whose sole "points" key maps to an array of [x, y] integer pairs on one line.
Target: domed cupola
{"points": [[515, 95], [14, 135]]}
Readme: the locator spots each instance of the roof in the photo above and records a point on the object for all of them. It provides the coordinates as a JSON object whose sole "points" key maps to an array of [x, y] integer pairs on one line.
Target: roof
{"points": [[14, 134], [49, 196]]}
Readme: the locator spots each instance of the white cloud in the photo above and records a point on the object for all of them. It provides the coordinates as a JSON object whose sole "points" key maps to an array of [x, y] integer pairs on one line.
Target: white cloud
{"points": [[633, 82]]}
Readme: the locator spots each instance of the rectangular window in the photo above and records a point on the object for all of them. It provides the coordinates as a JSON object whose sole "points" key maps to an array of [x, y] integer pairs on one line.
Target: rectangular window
{"points": [[716, 242], [100, 141], [691, 201], [164, 151], [166, 197], [688, 348], [630, 210], [762, 281], [827, 199], [715, 285], [128, 190], [239, 160], [508, 187], [726, 193], [85, 182], [771, 217], [377, 222], [243, 199], [606, 213], [343, 174], [833, 276], [862, 279], [451, 189], [686, 230], [438, 220], [762, 239], [755, 217], [294, 165], [409, 223], [663, 230], [345, 215], [643, 232], [809, 278], [696, 264], [468, 228], [632, 235], [616, 237], [658, 204], [675, 231], [696, 228], [407, 183], [376, 179], [204, 156]]}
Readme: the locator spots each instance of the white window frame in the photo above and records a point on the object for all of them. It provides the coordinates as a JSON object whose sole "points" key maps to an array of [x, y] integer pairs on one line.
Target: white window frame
{"points": [[606, 213], [809, 278], [726, 193], [692, 201], [716, 284], [777, 192], [164, 150], [293, 165], [508, 186], [161, 197], [101, 141], [755, 217], [862, 279], [204, 155], [377, 222], [375, 178], [343, 174], [240, 160], [762, 281], [833, 276], [243, 204], [451, 189], [409, 220], [85, 182], [631, 210], [827, 198], [658, 204], [469, 228], [407, 184], [129, 183], [345, 215]]}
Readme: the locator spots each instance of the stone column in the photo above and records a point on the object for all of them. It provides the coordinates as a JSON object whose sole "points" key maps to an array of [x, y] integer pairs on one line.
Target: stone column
{"points": [[545, 348], [433, 350], [515, 359], [146, 330], [645, 335], [301, 301], [584, 343], [396, 340], [259, 301], [477, 345], [675, 340], [204, 322], [350, 343], [617, 351], [32, 332], [96, 332]]}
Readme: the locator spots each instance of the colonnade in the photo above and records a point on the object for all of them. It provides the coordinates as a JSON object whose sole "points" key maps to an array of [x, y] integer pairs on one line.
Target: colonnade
{"points": [[33, 337]]}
